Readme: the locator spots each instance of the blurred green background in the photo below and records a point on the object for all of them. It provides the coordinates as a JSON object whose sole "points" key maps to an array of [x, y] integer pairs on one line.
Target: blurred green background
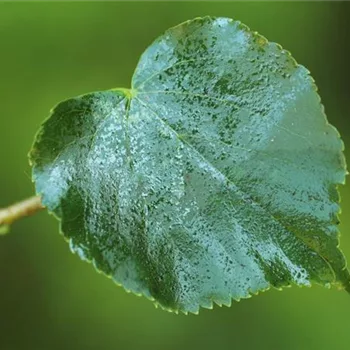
{"points": [[49, 299]]}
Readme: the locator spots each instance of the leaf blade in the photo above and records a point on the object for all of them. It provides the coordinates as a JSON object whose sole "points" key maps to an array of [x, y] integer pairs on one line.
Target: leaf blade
{"points": [[213, 178]]}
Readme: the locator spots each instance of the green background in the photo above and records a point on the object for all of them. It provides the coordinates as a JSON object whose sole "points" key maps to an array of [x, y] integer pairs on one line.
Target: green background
{"points": [[49, 299]]}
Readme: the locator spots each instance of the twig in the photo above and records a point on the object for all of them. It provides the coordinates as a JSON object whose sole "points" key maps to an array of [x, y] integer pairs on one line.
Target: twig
{"points": [[18, 210]]}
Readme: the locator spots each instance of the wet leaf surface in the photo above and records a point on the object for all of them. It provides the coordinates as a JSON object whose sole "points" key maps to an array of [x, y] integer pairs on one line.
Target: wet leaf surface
{"points": [[213, 178]]}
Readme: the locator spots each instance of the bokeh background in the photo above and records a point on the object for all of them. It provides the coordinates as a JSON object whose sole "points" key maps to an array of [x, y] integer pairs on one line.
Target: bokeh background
{"points": [[49, 299]]}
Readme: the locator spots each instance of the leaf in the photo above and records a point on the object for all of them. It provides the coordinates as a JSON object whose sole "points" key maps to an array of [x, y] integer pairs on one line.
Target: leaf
{"points": [[213, 178]]}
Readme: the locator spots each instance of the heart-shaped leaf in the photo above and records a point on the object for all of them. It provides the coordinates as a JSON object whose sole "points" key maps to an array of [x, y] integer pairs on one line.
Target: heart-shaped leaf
{"points": [[214, 177]]}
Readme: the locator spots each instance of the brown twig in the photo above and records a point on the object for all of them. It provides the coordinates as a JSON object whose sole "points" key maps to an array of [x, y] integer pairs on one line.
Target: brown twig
{"points": [[18, 210]]}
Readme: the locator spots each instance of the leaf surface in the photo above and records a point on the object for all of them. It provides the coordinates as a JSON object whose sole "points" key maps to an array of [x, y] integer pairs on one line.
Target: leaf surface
{"points": [[214, 177]]}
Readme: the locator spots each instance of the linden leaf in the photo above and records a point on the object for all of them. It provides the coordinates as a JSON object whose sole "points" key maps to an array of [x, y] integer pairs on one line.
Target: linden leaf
{"points": [[214, 177]]}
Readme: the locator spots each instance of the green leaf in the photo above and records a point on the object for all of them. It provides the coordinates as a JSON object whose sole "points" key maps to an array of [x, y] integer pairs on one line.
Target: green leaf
{"points": [[213, 178]]}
